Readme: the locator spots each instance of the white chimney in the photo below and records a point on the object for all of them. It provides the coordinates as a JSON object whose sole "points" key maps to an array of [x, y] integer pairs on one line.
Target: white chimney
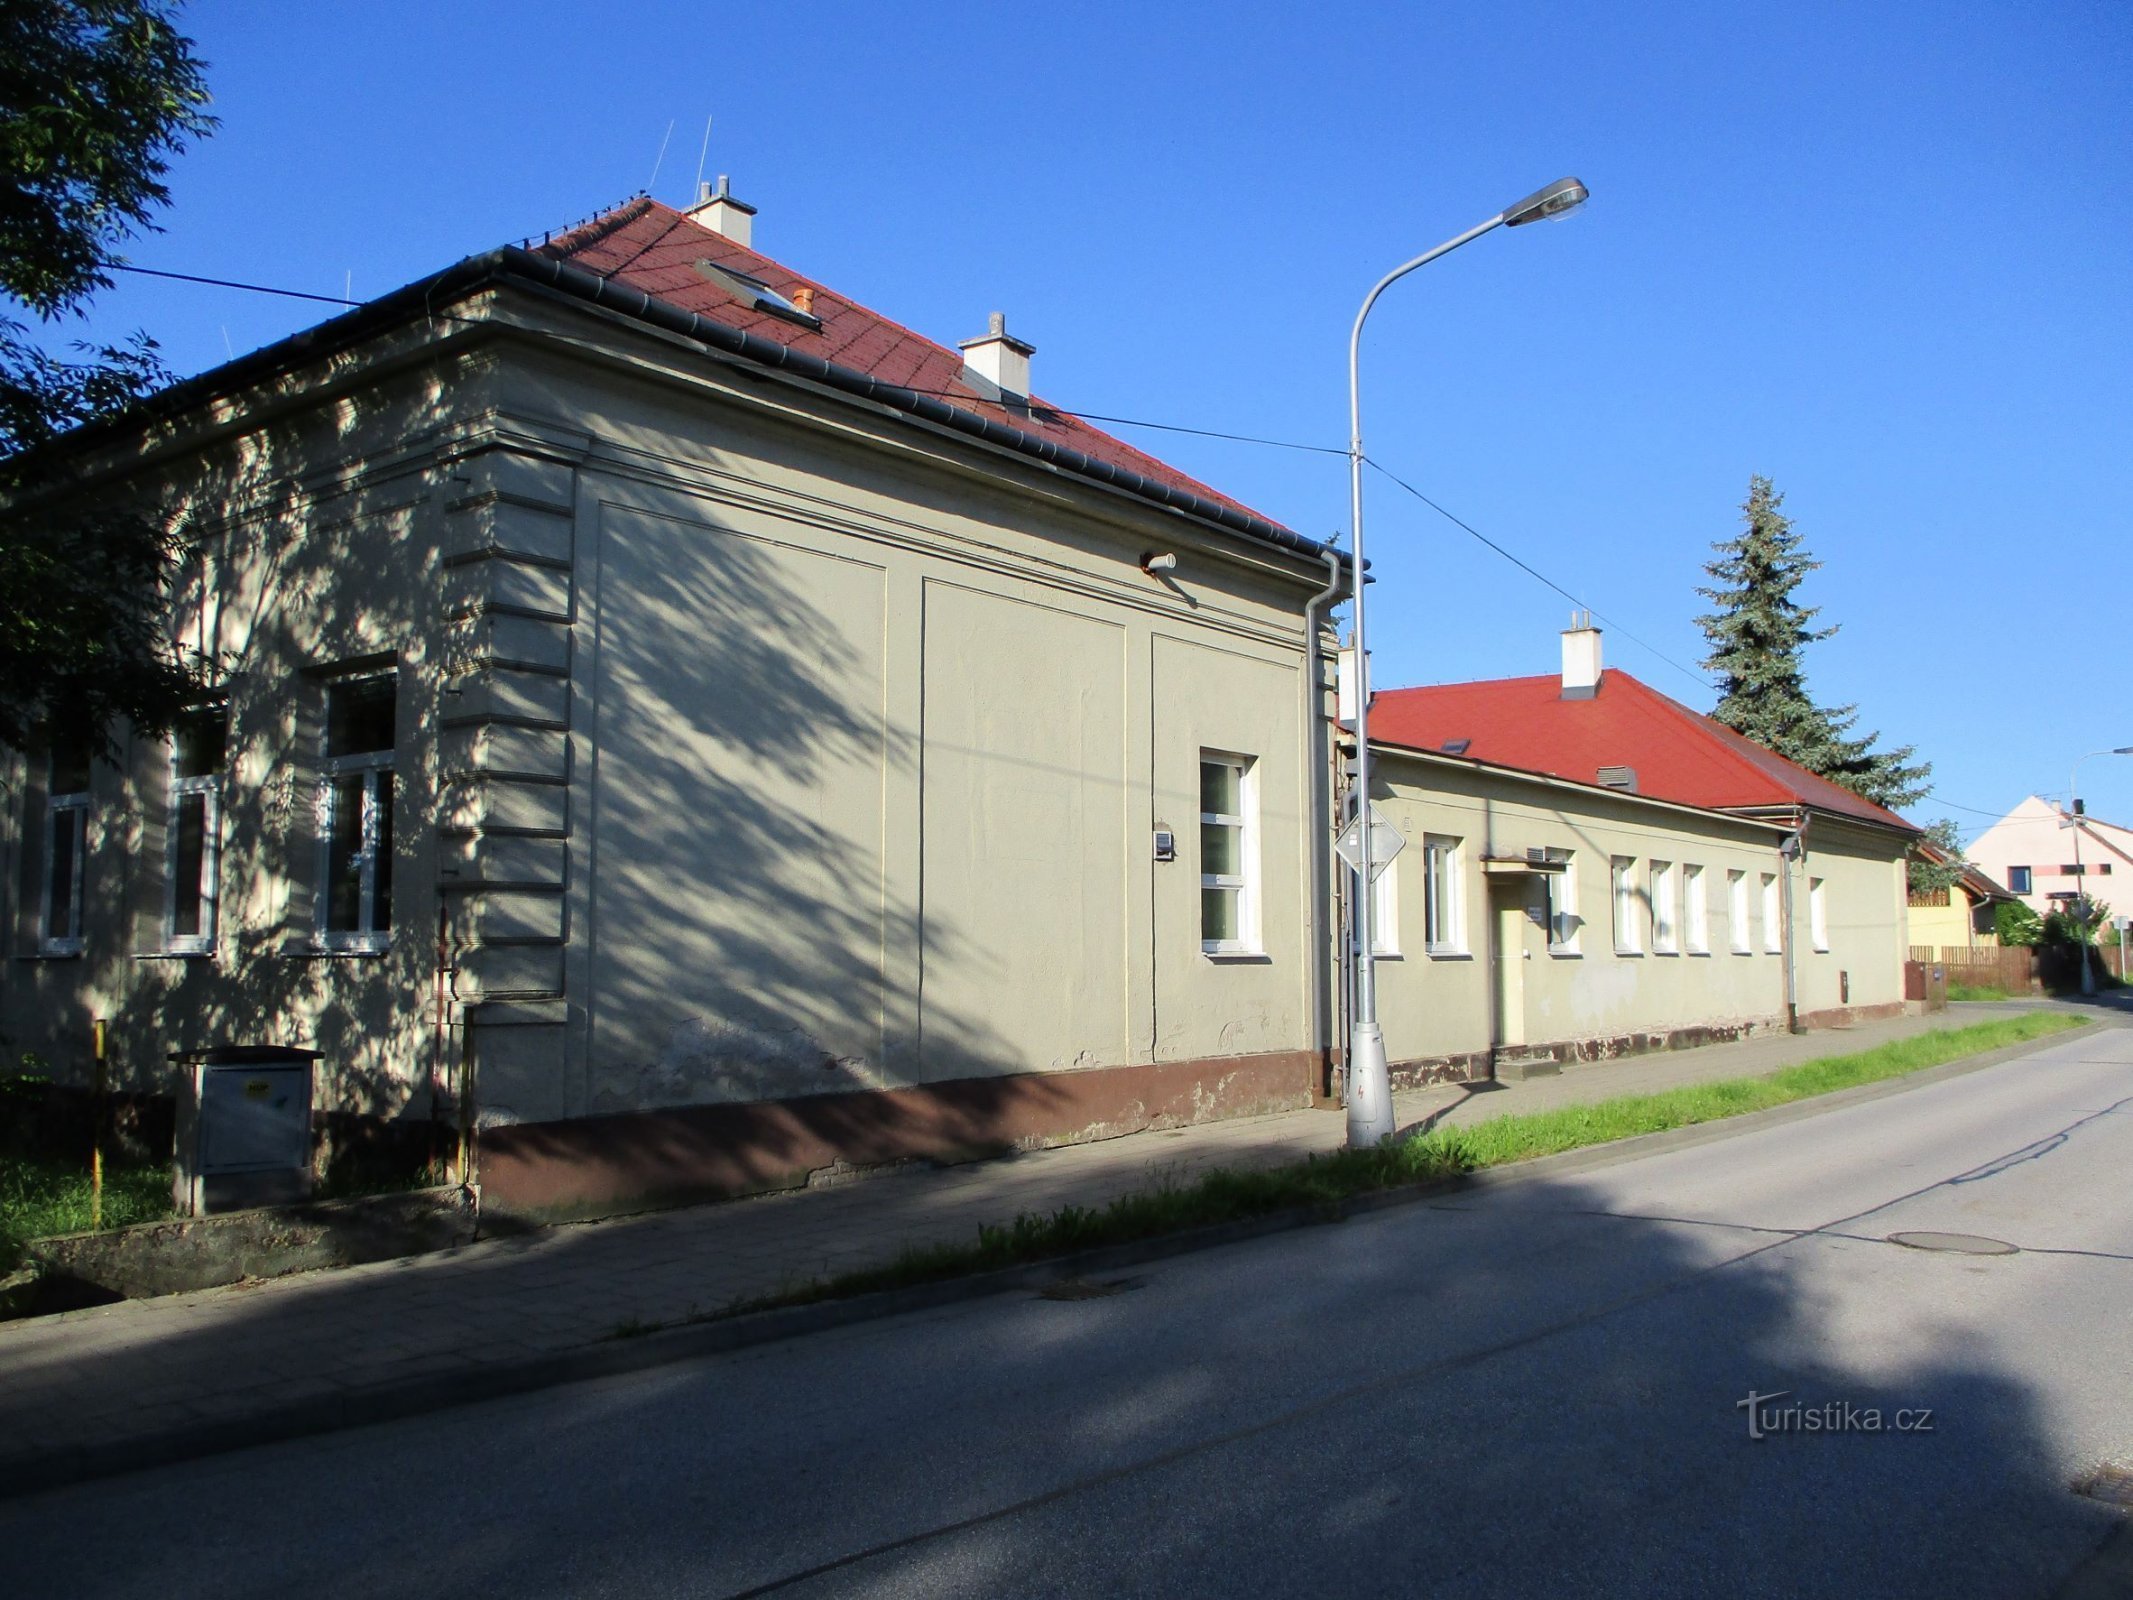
{"points": [[1581, 658], [717, 210], [999, 358]]}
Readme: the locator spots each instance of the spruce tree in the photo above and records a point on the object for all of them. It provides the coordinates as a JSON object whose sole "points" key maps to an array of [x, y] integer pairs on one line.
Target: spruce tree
{"points": [[1757, 635]]}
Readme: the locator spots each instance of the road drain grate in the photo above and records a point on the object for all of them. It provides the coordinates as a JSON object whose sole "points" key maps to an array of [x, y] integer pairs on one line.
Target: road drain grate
{"points": [[1967, 1244], [2112, 1483], [1085, 1289]]}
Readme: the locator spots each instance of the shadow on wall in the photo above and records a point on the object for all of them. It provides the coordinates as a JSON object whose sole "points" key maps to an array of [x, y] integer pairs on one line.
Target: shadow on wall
{"points": [[1570, 1379]]}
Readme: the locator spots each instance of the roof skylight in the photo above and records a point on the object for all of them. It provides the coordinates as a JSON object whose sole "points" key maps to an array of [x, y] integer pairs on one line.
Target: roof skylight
{"points": [[755, 292]]}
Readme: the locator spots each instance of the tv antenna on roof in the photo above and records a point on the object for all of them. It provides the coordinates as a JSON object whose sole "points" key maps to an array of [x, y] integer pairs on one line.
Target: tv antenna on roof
{"points": [[656, 165], [702, 156]]}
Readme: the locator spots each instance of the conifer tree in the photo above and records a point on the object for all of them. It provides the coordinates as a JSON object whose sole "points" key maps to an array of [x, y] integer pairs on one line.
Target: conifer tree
{"points": [[1757, 635]]}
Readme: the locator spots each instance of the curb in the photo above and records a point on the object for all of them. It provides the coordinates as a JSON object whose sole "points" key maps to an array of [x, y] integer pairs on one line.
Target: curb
{"points": [[724, 1336]]}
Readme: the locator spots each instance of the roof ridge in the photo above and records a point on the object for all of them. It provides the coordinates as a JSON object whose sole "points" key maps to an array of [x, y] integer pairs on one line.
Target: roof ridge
{"points": [[596, 227]]}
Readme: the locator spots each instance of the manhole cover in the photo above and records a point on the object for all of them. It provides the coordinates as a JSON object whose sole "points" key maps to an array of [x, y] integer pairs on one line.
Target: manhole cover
{"points": [[1081, 1289], [2111, 1483], [1967, 1244]]}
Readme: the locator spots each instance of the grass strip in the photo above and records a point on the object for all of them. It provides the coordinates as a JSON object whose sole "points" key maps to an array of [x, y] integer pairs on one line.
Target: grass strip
{"points": [[41, 1196], [1326, 1180]]}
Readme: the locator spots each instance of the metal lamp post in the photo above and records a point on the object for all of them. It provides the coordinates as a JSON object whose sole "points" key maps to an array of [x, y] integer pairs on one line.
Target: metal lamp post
{"points": [[2073, 819], [1369, 1089]]}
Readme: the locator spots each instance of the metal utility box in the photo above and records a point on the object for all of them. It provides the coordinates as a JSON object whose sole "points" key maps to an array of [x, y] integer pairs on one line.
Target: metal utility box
{"points": [[244, 1128]]}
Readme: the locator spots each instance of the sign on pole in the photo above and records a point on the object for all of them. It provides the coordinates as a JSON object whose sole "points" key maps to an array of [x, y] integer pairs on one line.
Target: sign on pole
{"points": [[1386, 841]]}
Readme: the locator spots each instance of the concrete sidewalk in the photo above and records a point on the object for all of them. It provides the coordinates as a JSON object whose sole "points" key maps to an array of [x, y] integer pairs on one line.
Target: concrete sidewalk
{"points": [[98, 1391]]}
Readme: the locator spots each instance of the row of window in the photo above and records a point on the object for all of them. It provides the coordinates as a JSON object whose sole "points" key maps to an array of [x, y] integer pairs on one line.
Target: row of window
{"points": [[2020, 879], [353, 811], [1673, 897]]}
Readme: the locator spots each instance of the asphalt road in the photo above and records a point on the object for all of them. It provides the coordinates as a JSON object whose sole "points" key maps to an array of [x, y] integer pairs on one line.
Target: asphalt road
{"points": [[1533, 1389]]}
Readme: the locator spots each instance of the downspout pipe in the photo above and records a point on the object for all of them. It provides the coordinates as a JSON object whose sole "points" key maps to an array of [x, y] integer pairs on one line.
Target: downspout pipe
{"points": [[1321, 922]]}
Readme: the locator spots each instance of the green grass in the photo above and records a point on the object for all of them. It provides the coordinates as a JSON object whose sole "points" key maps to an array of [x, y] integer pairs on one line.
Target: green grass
{"points": [[40, 1197], [1977, 991], [1324, 1181]]}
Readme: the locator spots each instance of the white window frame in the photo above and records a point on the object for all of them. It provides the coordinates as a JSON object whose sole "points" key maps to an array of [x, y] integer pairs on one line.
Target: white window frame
{"points": [[1666, 909], [1564, 923], [1622, 895], [71, 811], [1817, 914], [1444, 894], [208, 787], [1244, 884], [1739, 932], [2026, 886], [1773, 917], [1695, 909], [372, 766], [1385, 911]]}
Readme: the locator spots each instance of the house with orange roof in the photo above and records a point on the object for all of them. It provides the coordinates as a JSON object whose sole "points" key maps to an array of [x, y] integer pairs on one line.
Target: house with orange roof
{"points": [[699, 731], [1591, 868]]}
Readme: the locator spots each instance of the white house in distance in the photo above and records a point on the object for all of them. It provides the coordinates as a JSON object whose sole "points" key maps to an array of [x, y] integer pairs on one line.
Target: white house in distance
{"points": [[709, 733], [2033, 850]]}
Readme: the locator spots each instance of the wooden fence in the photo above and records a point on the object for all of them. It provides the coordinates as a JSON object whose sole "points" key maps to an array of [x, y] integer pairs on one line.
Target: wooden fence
{"points": [[2018, 969]]}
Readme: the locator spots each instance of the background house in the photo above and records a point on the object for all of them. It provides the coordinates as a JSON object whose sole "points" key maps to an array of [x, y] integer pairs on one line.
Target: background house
{"points": [[767, 730], [2032, 851], [1960, 917], [1594, 868]]}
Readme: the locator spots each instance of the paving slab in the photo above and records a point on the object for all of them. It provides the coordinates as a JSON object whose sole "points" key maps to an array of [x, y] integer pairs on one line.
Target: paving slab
{"points": [[264, 1359]]}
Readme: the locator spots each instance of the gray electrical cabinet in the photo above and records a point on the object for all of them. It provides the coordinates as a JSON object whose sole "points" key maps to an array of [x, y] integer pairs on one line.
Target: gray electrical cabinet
{"points": [[244, 1127]]}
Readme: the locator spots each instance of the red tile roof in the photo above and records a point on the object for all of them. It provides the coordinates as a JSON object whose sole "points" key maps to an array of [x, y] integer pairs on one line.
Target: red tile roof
{"points": [[1677, 754], [653, 249]]}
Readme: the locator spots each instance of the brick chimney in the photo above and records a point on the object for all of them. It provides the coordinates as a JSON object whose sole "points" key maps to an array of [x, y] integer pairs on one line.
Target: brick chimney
{"points": [[1582, 671], [717, 210], [999, 359]]}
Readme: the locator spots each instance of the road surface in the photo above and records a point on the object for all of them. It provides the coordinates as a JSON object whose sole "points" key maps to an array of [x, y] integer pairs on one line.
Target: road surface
{"points": [[1535, 1388]]}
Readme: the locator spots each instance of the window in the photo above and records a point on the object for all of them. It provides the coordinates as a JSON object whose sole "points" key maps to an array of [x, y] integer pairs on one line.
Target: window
{"points": [[66, 844], [193, 849], [1562, 891], [1443, 896], [1817, 914], [1385, 910], [1229, 847], [2018, 880], [1629, 939], [1696, 911], [1773, 932], [1737, 912], [1666, 909], [2073, 869], [355, 903], [2103, 869]]}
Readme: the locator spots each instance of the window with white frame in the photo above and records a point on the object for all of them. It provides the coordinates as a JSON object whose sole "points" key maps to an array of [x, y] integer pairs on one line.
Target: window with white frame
{"points": [[1817, 914], [1622, 882], [1737, 929], [66, 847], [1385, 910], [1562, 891], [355, 899], [1443, 896], [1666, 909], [1229, 849], [2018, 880], [1773, 917], [1695, 911], [192, 847]]}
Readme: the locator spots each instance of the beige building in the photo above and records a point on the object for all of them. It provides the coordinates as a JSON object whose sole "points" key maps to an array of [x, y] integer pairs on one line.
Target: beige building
{"points": [[1591, 868], [780, 739], [2045, 861]]}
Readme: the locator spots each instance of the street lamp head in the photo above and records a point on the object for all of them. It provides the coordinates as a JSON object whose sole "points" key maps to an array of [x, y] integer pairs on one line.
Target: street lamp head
{"points": [[1558, 199]]}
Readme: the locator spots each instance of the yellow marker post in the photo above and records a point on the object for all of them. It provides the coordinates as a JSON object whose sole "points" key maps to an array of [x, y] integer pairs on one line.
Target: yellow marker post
{"points": [[96, 1135]]}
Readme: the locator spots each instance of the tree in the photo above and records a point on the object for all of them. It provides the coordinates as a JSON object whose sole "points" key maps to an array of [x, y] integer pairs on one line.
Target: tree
{"points": [[1938, 869], [1757, 635], [2016, 924], [96, 97]]}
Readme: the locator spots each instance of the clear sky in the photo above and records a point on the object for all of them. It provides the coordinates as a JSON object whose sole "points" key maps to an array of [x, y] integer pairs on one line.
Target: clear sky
{"points": [[1880, 252]]}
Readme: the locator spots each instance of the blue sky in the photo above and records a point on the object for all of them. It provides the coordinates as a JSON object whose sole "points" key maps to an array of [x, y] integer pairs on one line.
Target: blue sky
{"points": [[1878, 252]]}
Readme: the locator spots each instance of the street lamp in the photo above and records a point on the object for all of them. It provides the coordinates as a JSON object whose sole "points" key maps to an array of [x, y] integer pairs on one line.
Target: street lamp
{"points": [[2073, 820], [1369, 1088]]}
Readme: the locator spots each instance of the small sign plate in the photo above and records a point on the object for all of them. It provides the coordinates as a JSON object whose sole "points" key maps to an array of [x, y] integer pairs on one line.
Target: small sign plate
{"points": [[1386, 841]]}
